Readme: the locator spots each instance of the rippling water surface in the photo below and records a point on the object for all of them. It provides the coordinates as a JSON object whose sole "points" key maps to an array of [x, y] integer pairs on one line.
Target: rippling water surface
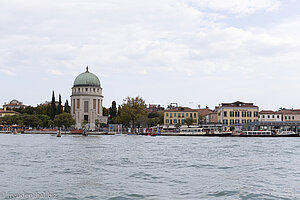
{"points": [[142, 167]]}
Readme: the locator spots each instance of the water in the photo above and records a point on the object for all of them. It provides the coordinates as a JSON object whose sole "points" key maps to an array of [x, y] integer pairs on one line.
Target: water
{"points": [[142, 167]]}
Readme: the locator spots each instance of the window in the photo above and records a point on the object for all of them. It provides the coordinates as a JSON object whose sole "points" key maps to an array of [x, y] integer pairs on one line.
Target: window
{"points": [[263, 116], [174, 114], [179, 121], [232, 121], [268, 116], [225, 121], [94, 89], [175, 121], [293, 117], [225, 113], [195, 115], [86, 118], [237, 121], [285, 117], [78, 103], [86, 89], [191, 115], [73, 106], [171, 115], [167, 121], [289, 117], [187, 115], [98, 106], [277, 116], [243, 121], [171, 121], [78, 89], [243, 114], [255, 114], [249, 121], [182, 114], [167, 114], [237, 114], [231, 114], [86, 106], [94, 103], [249, 114]]}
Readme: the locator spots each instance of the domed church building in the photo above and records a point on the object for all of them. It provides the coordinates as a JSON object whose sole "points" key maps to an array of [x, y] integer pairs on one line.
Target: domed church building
{"points": [[86, 100]]}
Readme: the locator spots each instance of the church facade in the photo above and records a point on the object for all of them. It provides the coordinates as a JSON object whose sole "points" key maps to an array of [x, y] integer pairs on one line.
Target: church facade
{"points": [[86, 101]]}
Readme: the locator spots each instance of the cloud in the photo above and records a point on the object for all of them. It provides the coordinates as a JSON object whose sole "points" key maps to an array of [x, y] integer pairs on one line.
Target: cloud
{"points": [[237, 6]]}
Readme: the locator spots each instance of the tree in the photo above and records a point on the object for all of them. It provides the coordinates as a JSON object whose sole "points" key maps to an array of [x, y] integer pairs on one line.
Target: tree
{"points": [[67, 107], [43, 120], [105, 111], [53, 107], [188, 121], [64, 119], [132, 110], [59, 108], [178, 125], [113, 110]]}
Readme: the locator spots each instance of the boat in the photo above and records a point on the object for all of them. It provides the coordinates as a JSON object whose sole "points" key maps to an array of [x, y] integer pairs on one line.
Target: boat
{"points": [[287, 134], [58, 133], [256, 134]]}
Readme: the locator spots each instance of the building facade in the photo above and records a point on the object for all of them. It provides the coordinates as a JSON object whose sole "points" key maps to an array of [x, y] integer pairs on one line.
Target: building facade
{"points": [[270, 116], [4, 113], [237, 113], [13, 104], [179, 114], [86, 101], [290, 115]]}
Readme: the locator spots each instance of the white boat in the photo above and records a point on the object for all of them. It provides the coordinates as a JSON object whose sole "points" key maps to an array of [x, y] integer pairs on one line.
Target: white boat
{"points": [[256, 133], [285, 133], [192, 131]]}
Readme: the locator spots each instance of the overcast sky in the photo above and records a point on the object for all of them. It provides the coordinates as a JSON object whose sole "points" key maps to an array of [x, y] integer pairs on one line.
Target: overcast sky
{"points": [[193, 52]]}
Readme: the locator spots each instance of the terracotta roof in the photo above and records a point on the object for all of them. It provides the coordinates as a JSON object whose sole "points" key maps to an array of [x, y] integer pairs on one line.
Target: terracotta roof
{"points": [[238, 104], [292, 112], [269, 112], [204, 111], [8, 111], [181, 109]]}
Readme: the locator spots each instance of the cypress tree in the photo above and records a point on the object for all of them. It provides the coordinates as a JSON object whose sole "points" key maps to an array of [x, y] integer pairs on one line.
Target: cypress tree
{"points": [[67, 107], [59, 108], [53, 107]]}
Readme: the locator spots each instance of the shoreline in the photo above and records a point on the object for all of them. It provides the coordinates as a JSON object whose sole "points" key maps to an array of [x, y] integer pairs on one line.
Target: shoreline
{"points": [[145, 134]]}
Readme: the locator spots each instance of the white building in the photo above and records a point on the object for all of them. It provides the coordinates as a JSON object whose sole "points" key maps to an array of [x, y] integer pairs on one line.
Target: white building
{"points": [[86, 101], [270, 116]]}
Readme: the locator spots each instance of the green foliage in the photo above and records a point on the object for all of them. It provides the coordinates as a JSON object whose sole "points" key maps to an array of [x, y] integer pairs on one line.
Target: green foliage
{"points": [[178, 125], [188, 121], [67, 107], [113, 110], [105, 111], [53, 107], [64, 119], [59, 107], [155, 118], [133, 111]]}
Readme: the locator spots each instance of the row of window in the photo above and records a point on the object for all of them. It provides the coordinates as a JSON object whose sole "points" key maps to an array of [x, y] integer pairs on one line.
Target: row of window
{"points": [[243, 114], [86, 105], [289, 117], [85, 89], [270, 116], [232, 121], [182, 115], [175, 121]]}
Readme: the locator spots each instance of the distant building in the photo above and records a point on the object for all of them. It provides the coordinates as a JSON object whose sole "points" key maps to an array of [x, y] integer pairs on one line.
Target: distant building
{"points": [[203, 113], [176, 115], [237, 113], [14, 104], [48, 103], [212, 118], [270, 116], [290, 115], [4, 113], [86, 101], [155, 108]]}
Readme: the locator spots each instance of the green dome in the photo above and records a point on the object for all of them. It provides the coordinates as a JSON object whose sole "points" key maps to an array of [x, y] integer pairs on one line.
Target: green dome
{"points": [[87, 79]]}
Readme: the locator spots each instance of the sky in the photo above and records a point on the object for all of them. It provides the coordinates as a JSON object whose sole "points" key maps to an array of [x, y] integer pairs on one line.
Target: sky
{"points": [[190, 52]]}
